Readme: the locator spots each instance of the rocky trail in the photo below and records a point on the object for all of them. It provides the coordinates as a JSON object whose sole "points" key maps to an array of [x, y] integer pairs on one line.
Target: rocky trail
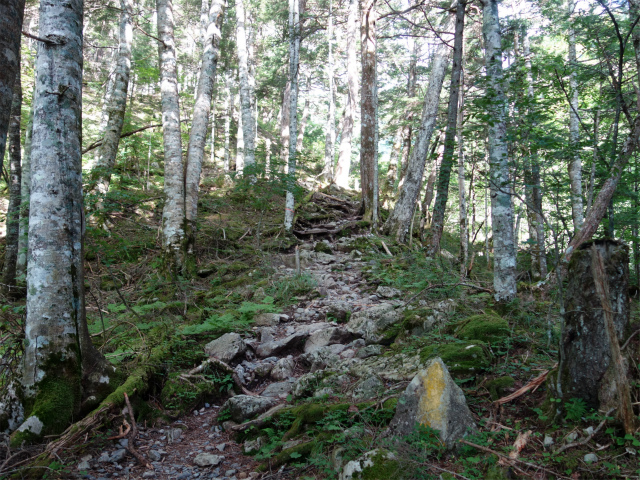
{"points": [[340, 334]]}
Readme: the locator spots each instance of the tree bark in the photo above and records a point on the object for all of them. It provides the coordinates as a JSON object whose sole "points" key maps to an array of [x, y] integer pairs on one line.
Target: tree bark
{"points": [[173, 216], [392, 172], [60, 362], [464, 225], [369, 114], [25, 193], [200, 122], [116, 104], [305, 117], [407, 129], [227, 125], [246, 112], [341, 173], [15, 174], [284, 125], [398, 222], [442, 195], [294, 59], [11, 16], [504, 278], [330, 139], [575, 164]]}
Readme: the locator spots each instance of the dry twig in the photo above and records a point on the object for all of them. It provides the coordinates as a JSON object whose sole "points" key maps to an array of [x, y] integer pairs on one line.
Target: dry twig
{"points": [[588, 438], [533, 384]]}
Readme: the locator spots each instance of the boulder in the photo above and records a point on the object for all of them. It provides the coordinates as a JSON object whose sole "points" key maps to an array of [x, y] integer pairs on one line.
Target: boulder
{"points": [[326, 337], [377, 464], [368, 388], [275, 347], [226, 348], [387, 292], [378, 324], [433, 399], [462, 359], [320, 358], [338, 310], [245, 407], [369, 351], [283, 369], [267, 319], [278, 389]]}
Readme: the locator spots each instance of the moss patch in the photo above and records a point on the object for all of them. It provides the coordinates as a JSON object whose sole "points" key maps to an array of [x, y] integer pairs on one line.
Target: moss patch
{"points": [[497, 386], [460, 358], [487, 328], [323, 248], [384, 467]]}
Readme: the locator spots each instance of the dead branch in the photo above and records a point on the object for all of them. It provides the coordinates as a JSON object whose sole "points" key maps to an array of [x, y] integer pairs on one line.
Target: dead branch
{"points": [[123, 433], [226, 368], [533, 384], [588, 438], [132, 436], [260, 421]]}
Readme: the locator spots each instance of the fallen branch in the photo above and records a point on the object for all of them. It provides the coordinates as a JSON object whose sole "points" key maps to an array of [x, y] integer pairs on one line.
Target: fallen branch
{"points": [[123, 432], [588, 438], [386, 249], [518, 446], [513, 461], [260, 421], [225, 367], [98, 143], [533, 384], [132, 436]]}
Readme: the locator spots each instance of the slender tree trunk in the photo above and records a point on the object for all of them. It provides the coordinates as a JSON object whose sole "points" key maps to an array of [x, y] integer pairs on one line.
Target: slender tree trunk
{"points": [[407, 129], [240, 143], [227, 125], [428, 191], [464, 227], [330, 141], [59, 360], [201, 113], [284, 125], [173, 216], [504, 278], [392, 172], [245, 88], [294, 59], [400, 219], [11, 16], [369, 114], [341, 173], [305, 117], [25, 193], [487, 250], [594, 159], [13, 211], [575, 164], [442, 196], [116, 103]]}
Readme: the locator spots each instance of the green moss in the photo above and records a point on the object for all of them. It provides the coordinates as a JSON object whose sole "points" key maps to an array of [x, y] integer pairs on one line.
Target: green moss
{"points": [[487, 328], [496, 472], [383, 468], [180, 396], [322, 248], [497, 386], [460, 358]]}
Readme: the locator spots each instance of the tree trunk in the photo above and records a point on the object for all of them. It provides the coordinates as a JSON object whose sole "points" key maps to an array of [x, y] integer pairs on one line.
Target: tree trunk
{"points": [[575, 164], [369, 114], [60, 362], [407, 129], [240, 143], [227, 125], [442, 195], [116, 104], [305, 117], [294, 59], [330, 141], [173, 215], [11, 16], [13, 211], [245, 88], [504, 277], [284, 125], [392, 172], [25, 193], [341, 173], [464, 226], [200, 122], [398, 222]]}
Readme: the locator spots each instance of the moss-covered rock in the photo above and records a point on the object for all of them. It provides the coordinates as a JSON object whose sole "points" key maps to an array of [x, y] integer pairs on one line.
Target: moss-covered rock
{"points": [[462, 359], [374, 465], [323, 248], [498, 386], [180, 396], [487, 328]]}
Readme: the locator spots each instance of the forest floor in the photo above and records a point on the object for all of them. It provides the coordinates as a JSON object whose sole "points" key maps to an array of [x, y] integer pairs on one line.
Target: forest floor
{"points": [[331, 394]]}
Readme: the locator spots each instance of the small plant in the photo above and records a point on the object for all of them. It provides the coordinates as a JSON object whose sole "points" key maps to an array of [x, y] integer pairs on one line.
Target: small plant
{"points": [[576, 408]]}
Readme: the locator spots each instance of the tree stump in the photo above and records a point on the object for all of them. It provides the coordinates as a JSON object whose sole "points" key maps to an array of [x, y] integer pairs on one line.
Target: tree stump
{"points": [[587, 368]]}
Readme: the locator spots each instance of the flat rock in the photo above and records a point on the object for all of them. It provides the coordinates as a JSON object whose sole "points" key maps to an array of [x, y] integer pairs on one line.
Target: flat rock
{"points": [[208, 460], [368, 388], [226, 348], [283, 369], [326, 337], [374, 324], [275, 347], [267, 319], [245, 407], [387, 292], [435, 400], [278, 389]]}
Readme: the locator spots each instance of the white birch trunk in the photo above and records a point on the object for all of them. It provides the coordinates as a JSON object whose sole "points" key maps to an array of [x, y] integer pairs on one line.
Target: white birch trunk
{"points": [[294, 59], [399, 221], [284, 125], [240, 145], [173, 215], [305, 117], [25, 193], [504, 277], [227, 125], [464, 226], [330, 141], [59, 359], [575, 164], [201, 113], [341, 173], [245, 88]]}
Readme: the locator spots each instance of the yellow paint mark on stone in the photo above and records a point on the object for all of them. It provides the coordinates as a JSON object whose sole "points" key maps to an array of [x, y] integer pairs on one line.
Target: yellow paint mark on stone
{"points": [[430, 408]]}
